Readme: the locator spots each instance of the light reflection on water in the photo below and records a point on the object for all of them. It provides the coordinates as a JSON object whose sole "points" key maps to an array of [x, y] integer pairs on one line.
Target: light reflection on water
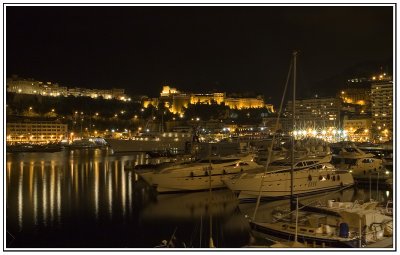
{"points": [[85, 198]]}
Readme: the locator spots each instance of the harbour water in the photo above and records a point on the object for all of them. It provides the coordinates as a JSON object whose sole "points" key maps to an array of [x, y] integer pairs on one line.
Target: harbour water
{"points": [[86, 199]]}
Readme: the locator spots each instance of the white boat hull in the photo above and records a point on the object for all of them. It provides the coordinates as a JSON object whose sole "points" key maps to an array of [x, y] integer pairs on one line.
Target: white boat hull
{"points": [[171, 183], [198, 176], [277, 185]]}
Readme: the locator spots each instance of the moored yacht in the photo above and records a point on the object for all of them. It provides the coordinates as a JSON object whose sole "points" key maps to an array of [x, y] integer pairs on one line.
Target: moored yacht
{"points": [[198, 175], [311, 175], [363, 166]]}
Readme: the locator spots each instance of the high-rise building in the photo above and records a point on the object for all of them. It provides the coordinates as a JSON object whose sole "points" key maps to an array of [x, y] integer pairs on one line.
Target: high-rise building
{"points": [[315, 113], [382, 109]]}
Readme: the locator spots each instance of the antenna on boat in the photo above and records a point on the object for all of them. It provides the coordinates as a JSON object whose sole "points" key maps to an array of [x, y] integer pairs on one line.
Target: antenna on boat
{"points": [[272, 142], [294, 128]]}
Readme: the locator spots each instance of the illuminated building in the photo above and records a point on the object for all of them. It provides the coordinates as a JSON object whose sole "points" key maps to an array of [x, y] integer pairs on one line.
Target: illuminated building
{"points": [[244, 103], [358, 92], [358, 130], [36, 131], [382, 109], [32, 87], [146, 102], [357, 96], [168, 91], [316, 113], [174, 100], [177, 101], [217, 98]]}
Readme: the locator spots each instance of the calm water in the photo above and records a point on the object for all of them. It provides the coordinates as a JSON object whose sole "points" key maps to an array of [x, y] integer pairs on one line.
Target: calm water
{"points": [[85, 199]]}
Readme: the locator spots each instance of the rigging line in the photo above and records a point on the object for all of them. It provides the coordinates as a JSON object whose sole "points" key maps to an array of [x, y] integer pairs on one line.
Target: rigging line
{"points": [[305, 205], [273, 140]]}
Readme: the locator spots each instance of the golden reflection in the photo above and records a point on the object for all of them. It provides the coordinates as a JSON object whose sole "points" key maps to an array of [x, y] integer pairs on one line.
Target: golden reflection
{"points": [[130, 191], [35, 198], [44, 195], [123, 193], [8, 167], [96, 189], [59, 196], [52, 190], [31, 166], [110, 191], [20, 195], [76, 179], [71, 168], [116, 176]]}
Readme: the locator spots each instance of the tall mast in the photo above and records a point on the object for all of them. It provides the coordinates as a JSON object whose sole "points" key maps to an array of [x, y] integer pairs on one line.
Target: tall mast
{"points": [[211, 242], [294, 128], [272, 142]]}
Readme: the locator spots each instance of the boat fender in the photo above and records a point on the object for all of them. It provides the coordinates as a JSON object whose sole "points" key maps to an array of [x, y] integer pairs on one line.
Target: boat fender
{"points": [[191, 174], [328, 177], [334, 178], [344, 230], [320, 178], [224, 171], [241, 169], [341, 184], [309, 177], [338, 178]]}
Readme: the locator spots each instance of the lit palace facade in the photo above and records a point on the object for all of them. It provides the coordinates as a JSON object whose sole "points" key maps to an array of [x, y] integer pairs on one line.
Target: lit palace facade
{"points": [[176, 101]]}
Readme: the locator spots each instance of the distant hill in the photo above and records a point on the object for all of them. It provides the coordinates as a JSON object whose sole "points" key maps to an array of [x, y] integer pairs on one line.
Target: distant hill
{"points": [[330, 86]]}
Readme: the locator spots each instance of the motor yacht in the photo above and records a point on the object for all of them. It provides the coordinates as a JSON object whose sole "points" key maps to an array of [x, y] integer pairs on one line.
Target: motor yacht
{"points": [[311, 175], [200, 175], [363, 166]]}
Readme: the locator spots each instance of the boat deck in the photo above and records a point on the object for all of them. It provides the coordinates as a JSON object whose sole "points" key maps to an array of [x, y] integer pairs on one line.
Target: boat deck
{"points": [[384, 243]]}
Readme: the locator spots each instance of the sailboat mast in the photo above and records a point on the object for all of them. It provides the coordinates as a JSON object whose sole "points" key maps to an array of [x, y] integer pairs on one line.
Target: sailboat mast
{"points": [[294, 127], [211, 242]]}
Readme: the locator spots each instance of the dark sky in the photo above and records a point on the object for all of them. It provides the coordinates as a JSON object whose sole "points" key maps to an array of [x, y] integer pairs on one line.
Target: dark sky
{"points": [[229, 48]]}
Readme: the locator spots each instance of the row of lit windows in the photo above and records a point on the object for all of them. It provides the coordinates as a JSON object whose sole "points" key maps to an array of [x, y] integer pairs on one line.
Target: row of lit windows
{"points": [[35, 125], [37, 129]]}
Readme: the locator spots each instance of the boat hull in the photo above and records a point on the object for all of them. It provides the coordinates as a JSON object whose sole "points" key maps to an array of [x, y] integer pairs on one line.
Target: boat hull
{"points": [[183, 184], [198, 176], [278, 185], [267, 230]]}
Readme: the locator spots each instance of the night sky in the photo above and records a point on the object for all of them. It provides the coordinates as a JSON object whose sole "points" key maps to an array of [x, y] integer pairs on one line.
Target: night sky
{"points": [[198, 49]]}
